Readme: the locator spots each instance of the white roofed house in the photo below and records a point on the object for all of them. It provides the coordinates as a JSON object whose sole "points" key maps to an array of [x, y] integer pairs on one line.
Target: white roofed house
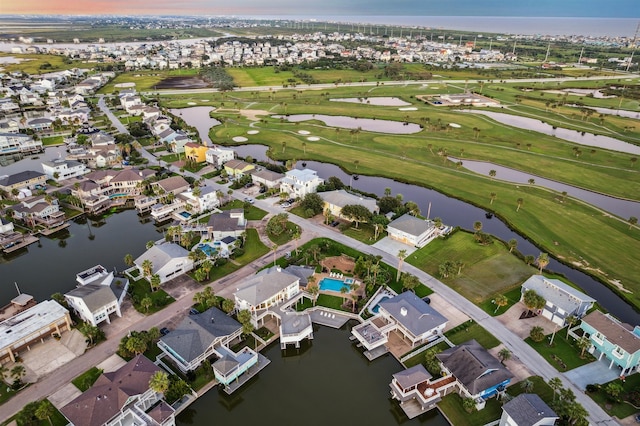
{"points": [[168, 260], [562, 300], [60, 169], [98, 294], [264, 291], [217, 156], [298, 183], [204, 201], [39, 211], [101, 138], [411, 230]]}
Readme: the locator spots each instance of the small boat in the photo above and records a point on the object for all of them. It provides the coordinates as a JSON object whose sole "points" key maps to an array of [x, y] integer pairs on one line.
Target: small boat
{"points": [[488, 215]]}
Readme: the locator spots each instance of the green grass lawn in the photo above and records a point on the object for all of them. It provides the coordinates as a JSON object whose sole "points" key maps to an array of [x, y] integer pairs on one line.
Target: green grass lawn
{"points": [[87, 379], [250, 213], [364, 233], [472, 330], [37, 64], [6, 393], [52, 140], [140, 289], [623, 408], [487, 271], [513, 296], [562, 349], [253, 248], [329, 301], [451, 406], [540, 388], [285, 236]]}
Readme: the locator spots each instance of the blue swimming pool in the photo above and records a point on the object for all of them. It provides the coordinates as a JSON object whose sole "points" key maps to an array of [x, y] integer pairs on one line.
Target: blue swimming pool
{"points": [[376, 308], [332, 284], [186, 215], [207, 249]]}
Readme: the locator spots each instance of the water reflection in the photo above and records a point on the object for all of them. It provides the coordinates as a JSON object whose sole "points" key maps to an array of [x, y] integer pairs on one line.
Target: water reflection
{"points": [[199, 118], [581, 138], [368, 124]]}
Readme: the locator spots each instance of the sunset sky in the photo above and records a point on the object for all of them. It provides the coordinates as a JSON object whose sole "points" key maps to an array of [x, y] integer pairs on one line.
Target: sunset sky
{"points": [[578, 8]]}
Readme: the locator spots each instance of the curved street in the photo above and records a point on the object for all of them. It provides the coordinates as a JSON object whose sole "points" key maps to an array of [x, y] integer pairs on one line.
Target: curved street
{"points": [[62, 376]]}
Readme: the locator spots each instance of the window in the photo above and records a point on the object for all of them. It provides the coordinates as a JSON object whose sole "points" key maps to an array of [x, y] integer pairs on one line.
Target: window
{"points": [[598, 337], [618, 352]]}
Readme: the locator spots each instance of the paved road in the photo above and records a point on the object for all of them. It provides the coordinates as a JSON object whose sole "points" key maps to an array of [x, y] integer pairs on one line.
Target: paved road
{"points": [[517, 346]]}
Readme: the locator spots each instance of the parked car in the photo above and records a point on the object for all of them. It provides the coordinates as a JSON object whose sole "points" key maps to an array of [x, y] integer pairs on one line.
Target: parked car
{"points": [[249, 185], [427, 299], [285, 205], [194, 311], [335, 223], [262, 190], [164, 331], [291, 200]]}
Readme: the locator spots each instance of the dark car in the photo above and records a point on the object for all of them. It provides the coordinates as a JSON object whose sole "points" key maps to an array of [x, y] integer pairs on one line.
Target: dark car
{"points": [[249, 185], [291, 200], [194, 311], [427, 299], [335, 223], [164, 331], [263, 190]]}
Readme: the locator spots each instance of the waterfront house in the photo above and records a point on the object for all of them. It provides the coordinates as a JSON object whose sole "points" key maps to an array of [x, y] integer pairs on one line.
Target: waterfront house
{"points": [[527, 409], [217, 156], [171, 185], [206, 200], [195, 152], [30, 327], [38, 211], [178, 142], [562, 300], [98, 295], [237, 168], [229, 223], [15, 143], [266, 177], [40, 124], [60, 169], [298, 183], [199, 337], [263, 291], [168, 261], [232, 365], [334, 201], [411, 230], [122, 397], [478, 374], [27, 179], [619, 343]]}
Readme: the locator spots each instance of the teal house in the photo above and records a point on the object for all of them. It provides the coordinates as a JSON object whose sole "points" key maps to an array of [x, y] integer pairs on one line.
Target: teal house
{"points": [[617, 342]]}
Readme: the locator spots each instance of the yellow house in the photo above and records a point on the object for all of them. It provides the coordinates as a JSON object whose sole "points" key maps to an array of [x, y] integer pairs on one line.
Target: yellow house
{"points": [[195, 152], [237, 168]]}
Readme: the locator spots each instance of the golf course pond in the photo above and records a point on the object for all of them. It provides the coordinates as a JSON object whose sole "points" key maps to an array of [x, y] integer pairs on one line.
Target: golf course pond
{"points": [[375, 101], [367, 124], [199, 118]]}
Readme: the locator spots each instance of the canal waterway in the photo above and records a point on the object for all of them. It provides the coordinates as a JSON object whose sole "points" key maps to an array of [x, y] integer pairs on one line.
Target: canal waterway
{"points": [[326, 382], [587, 139], [617, 206], [199, 118], [459, 213]]}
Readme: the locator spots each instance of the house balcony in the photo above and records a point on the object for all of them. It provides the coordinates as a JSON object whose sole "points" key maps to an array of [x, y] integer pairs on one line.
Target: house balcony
{"points": [[160, 212], [144, 204], [369, 335]]}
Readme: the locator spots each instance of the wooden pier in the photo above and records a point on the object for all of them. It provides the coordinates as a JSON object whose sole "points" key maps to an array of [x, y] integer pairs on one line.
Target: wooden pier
{"points": [[245, 377]]}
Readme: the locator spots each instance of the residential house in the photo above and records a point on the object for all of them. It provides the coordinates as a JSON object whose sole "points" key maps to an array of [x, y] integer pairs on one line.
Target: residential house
{"points": [[478, 374], [334, 201], [411, 230], [264, 291], [122, 397], [195, 152], [217, 156], [207, 199], [266, 177], [416, 391], [171, 185], [40, 124], [10, 126], [74, 116], [101, 138], [199, 337], [527, 409], [38, 211], [237, 168], [11, 143], [229, 223], [60, 169], [29, 327], [298, 183], [562, 300], [98, 295], [27, 179], [619, 343], [168, 261], [178, 143]]}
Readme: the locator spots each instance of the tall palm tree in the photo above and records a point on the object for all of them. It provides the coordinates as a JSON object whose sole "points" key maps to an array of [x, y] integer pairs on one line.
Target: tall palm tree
{"points": [[500, 301], [402, 254], [159, 382], [542, 261], [519, 201], [45, 410], [570, 321], [513, 243], [477, 226], [555, 383], [154, 282], [147, 268], [128, 260], [504, 355], [492, 173], [274, 248]]}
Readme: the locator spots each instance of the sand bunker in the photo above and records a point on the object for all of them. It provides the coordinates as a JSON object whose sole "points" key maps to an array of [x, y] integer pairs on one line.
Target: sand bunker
{"points": [[454, 125], [119, 85], [239, 139], [408, 109], [313, 138], [304, 132], [191, 103], [253, 132]]}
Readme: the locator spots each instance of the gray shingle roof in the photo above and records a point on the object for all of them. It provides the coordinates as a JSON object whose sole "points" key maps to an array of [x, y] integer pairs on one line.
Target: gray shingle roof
{"points": [[412, 376], [411, 225], [161, 254], [95, 296], [413, 313], [527, 409], [557, 292], [197, 332], [223, 222], [474, 366], [20, 177], [263, 286], [343, 198]]}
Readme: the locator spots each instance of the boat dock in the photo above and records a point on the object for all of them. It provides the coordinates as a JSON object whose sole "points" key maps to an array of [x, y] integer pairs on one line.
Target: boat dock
{"points": [[376, 352], [245, 377], [23, 242]]}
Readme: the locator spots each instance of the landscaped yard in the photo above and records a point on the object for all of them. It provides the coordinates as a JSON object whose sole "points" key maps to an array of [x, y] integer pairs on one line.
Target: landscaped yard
{"points": [[140, 289], [563, 355], [451, 406], [87, 379], [623, 408], [472, 330], [489, 306], [250, 213], [487, 270]]}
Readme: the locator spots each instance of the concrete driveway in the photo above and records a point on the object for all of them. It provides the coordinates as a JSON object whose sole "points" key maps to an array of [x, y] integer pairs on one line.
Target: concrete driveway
{"points": [[522, 327], [450, 312], [595, 372], [391, 246]]}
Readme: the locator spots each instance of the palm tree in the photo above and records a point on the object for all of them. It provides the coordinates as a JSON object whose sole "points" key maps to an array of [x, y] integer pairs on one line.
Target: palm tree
{"points": [[228, 305], [147, 268], [410, 282], [500, 301], [154, 282], [520, 201], [45, 410], [296, 236], [537, 333], [542, 261], [529, 259], [477, 226], [570, 321], [314, 290], [402, 254], [128, 260], [17, 372], [274, 248], [150, 244], [343, 291], [583, 343], [504, 355], [527, 385], [493, 197], [146, 303], [556, 384], [206, 267], [513, 243], [632, 221], [159, 382], [492, 173]]}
